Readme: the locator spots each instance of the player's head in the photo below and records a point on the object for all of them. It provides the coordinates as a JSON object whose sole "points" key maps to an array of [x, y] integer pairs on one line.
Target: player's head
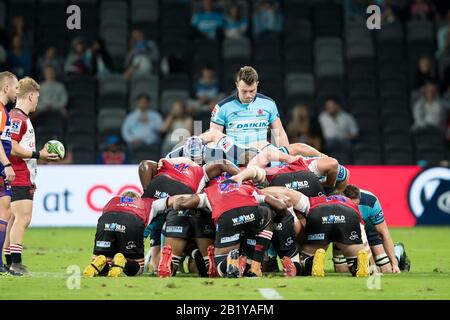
{"points": [[8, 87], [130, 194], [351, 191], [28, 93], [193, 149], [247, 84]]}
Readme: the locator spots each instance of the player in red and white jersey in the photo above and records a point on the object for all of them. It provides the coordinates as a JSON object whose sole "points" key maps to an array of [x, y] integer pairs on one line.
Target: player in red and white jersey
{"points": [[119, 239], [24, 162], [236, 210], [173, 177], [8, 93], [333, 218]]}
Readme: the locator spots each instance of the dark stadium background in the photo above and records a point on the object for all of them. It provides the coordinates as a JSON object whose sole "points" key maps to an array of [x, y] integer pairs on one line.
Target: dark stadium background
{"points": [[321, 49]]}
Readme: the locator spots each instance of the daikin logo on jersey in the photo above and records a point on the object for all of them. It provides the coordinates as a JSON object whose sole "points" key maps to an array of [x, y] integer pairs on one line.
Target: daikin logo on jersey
{"points": [[75, 195]]}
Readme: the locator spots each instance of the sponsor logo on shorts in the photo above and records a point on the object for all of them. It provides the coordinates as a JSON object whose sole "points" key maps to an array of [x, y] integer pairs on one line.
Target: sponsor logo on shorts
{"points": [[160, 194], [289, 242], [278, 226], [332, 219], [130, 245], [316, 236], [245, 218], [297, 185], [353, 235], [174, 229], [230, 239], [251, 242], [115, 227], [103, 244], [208, 230]]}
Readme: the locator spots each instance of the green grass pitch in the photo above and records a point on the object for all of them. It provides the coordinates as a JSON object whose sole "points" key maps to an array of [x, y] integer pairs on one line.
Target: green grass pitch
{"points": [[49, 253]]}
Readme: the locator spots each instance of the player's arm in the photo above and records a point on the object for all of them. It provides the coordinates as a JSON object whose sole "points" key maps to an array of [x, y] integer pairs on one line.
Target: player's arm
{"points": [[215, 126], [274, 202], [212, 135], [147, 170], [215, 168], [388, 245], [299, 201], [192, 201], [161, 205], [303, 149], [270, 154], [278, 133], [253, 173]]}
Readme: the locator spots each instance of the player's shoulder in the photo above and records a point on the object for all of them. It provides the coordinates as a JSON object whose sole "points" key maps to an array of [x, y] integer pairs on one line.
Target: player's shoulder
{"points": [[226, 100], [264, 98], [17, 113], [368, 199]]}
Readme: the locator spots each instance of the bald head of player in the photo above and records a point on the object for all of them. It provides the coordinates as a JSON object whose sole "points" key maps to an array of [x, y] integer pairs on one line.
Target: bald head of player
{"points": [[247, 84], [28, 95], [8, 87]]}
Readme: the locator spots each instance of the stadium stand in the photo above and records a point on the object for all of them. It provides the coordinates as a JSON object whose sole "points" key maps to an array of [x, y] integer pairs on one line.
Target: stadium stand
{"points": [[319, 54]]}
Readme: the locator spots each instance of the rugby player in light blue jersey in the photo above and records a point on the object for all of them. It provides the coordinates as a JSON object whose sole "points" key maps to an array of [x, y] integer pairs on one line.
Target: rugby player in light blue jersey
{"points": [[388, 257], [247, 115]]}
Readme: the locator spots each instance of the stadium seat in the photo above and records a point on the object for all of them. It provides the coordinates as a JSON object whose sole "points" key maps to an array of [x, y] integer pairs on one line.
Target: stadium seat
{"points": [[82, 105], [360, 50], [364, 107], [89, 30], [366, 154], [328, 47], [81, 140], [83, 155], [3, 15], [175, 15], [297, 31], [143, 11], [176, 82], [112, 84], [151, 152], [329, 67], [299, 84], [391, 33], [265, 50], [328, 23], [147, 84], [24, 8], [236, 48], [110, 119], [168, 97], [295, 10]]}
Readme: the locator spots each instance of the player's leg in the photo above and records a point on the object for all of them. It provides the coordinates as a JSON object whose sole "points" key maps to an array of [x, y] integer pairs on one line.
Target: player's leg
{"points": [[5, 215], [6, 249], [203, 233], [22, 212], [339, 261], [130, 243], [381, 259], [177, 233]]}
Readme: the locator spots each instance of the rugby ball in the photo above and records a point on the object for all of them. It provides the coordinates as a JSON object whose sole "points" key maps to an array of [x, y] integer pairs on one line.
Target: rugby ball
{"points": [[56, 147]]}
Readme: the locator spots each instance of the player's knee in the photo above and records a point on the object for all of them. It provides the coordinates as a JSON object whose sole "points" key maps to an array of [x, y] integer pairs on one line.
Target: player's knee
{"points": [[340, 263], [382, 261]]}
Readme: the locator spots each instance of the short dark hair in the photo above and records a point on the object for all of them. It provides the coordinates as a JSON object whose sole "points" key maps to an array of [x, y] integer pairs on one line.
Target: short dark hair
{"points": [[351, 191], [247, 74], [143, 96]]}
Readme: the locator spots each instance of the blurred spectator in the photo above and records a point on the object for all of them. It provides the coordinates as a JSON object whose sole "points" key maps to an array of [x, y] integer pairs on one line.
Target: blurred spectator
{"points": [[78, 60], [443, 39], [50, 58], [420, 10], [303, 129], [19, 28], [178, 126], [142, 54], [101, 61], [113, 152], [338, 127], [208, 22], [19, 59], [143, 125], [207, 87], [235, 24], [53, 94], [424, 73], [266, 18], [388, 14], [428, 110]]}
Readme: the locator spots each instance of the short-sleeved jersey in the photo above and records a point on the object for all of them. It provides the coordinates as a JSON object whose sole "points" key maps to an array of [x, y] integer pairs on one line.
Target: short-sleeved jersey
{"points": [[339, 200], [226, 195], [5, 130], [187, 174], [370, 209], [22, 131], [297, 165], [137, 207], [245, 123]]}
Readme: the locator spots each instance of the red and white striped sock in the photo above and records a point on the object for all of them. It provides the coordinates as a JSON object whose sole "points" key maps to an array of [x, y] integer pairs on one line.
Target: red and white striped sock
{"points": [[16, 253]]}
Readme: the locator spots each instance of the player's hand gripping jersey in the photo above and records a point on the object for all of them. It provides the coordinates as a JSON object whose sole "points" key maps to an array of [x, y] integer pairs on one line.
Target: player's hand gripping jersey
{"points": [[245, 123]]}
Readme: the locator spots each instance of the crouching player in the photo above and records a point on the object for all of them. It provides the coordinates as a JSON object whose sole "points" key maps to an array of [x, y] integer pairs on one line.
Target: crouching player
{"points": [[119, 241], [380, 241]]}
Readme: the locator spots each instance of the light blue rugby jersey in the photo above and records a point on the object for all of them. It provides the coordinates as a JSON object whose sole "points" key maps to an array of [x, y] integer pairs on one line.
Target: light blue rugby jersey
{"points": [[370, 209], [246, 123]]}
